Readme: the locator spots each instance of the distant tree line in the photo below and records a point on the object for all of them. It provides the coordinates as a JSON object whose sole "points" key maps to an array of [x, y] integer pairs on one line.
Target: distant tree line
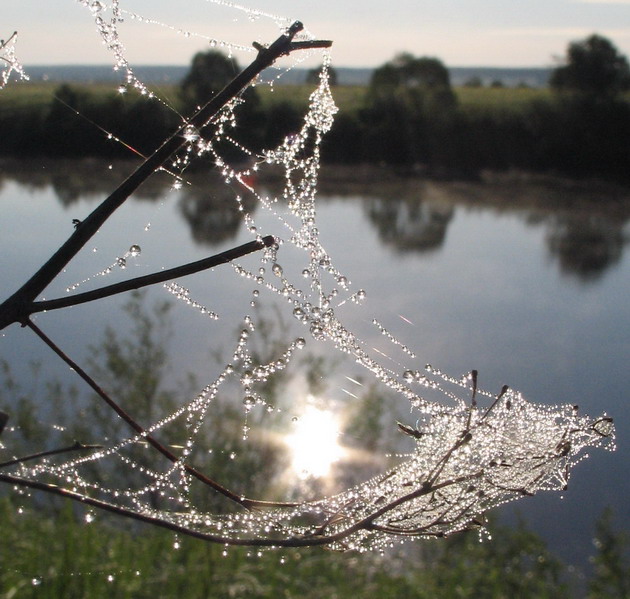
{"points": [[410, 119]]}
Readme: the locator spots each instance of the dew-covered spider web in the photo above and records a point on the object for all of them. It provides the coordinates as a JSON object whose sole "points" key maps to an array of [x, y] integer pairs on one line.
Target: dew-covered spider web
{"points": [[472, 450]]}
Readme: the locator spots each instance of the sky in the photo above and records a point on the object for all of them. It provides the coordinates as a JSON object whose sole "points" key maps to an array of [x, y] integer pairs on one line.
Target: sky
{"points": [[501, 33]]}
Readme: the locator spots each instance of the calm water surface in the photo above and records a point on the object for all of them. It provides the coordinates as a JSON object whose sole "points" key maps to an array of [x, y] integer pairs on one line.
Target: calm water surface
{"points": [[527, 282]]}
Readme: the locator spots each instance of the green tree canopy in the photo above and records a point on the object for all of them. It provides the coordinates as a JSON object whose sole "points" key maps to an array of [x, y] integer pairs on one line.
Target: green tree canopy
{"points": [[408, 104], [424, 74], [209, 73], [593, 68]]}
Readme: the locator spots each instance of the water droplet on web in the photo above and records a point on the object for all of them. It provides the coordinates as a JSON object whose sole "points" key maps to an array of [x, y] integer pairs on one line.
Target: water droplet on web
{"points": [[36, 581], [317, 331], [121, 262], [191, 133], [135, 250]]}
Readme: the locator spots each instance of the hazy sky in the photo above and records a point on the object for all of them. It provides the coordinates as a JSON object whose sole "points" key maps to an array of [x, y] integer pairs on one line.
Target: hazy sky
{"points": [[368, 33]]}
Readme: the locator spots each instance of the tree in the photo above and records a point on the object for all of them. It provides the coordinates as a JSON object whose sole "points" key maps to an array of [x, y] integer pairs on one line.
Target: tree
{"points": [[593, 68], [425, 75], [408, 103], [209, 73]]}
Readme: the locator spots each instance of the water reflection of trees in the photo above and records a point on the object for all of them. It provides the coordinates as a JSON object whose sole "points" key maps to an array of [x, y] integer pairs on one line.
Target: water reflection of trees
{"points": [[586, 245], [74, 180], [585, 221], [212, 212], [409, 224]]}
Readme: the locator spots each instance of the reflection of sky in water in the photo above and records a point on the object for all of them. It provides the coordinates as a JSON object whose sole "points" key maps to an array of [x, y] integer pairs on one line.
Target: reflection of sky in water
{"points": [[490, 295]]}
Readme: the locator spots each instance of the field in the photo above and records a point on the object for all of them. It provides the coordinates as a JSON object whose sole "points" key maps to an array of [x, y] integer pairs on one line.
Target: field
{"points": [[26, 96]]}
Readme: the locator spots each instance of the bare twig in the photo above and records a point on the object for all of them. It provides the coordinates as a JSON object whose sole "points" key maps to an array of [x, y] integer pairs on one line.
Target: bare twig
{"points": [[152, 279], [126, 417], [44, 454]]}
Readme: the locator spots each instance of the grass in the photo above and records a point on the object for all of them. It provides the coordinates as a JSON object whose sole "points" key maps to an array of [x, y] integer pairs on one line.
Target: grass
{"points": [[52, 553], [349, 98]]}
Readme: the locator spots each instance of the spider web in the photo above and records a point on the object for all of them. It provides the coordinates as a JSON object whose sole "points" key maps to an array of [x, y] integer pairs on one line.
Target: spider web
{"points": [[473, 450]]}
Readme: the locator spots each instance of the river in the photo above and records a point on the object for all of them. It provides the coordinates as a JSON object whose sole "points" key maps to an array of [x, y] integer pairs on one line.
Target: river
{"points": [[525, 280]]}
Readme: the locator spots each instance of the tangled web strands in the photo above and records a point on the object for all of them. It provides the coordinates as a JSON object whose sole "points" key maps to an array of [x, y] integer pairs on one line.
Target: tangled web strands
{"points": [[472, 450], [466, 460]]}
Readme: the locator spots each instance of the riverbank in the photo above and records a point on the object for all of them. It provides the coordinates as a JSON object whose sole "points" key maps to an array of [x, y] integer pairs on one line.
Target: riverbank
{"points": [[488, 129]]}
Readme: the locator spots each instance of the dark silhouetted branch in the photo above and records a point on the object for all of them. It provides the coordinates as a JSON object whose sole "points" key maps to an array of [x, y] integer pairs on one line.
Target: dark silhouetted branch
{"points": [[152, 279]]}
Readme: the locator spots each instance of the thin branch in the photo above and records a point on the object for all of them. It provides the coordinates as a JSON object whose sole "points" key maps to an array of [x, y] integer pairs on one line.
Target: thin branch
{"points": [[152, 279], [167, 453], [301, 541], [43, 454]]}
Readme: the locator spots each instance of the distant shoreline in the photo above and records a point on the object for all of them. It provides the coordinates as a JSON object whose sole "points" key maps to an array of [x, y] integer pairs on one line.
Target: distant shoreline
{"points": [[172, 74]]}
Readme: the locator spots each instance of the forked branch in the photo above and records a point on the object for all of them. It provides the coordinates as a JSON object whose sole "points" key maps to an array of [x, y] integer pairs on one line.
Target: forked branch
{"points": [[18, 307]]}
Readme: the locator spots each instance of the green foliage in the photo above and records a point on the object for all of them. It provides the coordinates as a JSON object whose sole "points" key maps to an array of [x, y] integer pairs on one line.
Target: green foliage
{"points": [[408, 127], [515, 563], [209, 73], [63, 556], [427, 75], [408, 104], [611, 564], [594, 69]]}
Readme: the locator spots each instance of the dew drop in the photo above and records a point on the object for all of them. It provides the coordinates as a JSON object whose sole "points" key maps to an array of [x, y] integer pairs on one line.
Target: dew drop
{"points": [[191, 133], [135, 250]]}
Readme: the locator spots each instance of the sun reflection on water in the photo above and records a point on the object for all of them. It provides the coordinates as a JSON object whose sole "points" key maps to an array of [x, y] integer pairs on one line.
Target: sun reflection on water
{"points": [[314, 443]]}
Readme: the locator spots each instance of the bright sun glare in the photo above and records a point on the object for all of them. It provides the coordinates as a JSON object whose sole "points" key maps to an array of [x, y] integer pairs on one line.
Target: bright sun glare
{"points": [[314, 443]]}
